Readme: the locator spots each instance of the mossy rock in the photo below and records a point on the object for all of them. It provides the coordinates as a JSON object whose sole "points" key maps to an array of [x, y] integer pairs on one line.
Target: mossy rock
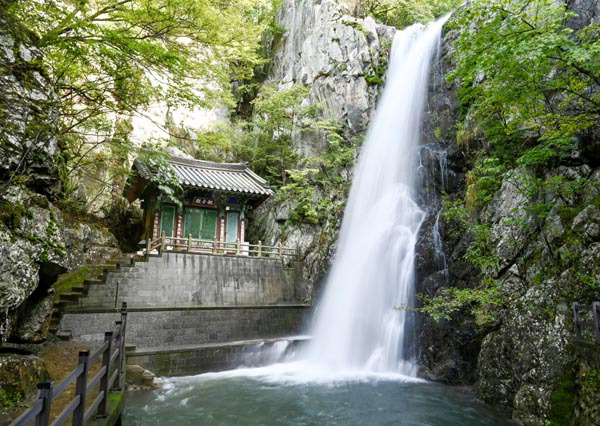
{"points": [[19, 376], [562, 401], [75, 278]]}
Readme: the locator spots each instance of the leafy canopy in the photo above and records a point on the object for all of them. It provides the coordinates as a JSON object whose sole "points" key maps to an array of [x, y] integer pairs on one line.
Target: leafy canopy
{"points": [[402, 13], [528, 85], [527, 79], [108, 59]]}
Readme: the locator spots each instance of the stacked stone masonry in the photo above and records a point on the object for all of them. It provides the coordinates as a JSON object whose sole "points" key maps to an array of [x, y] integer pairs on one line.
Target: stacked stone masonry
{"points": [[189, 326], [180, 280]]}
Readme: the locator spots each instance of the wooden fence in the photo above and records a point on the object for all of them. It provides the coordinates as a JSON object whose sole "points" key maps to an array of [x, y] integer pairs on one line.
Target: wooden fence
{"points": [[593, 323], [109, 377], [191, 245]]}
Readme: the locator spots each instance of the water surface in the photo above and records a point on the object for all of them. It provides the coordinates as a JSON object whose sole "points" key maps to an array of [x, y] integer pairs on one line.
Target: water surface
{"points": [[256, 397]]}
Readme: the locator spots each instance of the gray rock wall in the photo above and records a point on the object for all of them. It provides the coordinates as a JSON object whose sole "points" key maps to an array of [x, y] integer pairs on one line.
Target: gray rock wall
{"points": [[332, 53], [28, 114], [36, 246], [522, 361]]}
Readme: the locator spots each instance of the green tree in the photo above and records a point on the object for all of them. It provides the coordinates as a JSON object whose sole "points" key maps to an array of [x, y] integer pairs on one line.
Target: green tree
{"points": [[402, 13], [528, 85], [108, 59], [526, 79], [273, 139]]}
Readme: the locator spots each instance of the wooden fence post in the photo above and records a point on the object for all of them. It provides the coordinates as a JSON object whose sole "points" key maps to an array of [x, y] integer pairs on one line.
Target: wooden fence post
{"points": [[279, 251], [81, 390], [123, 329], [45, 390], [108, 337], [238, 247], [118, 345], [189, 247], [596, 311], [163, 242], [148, 245], [259, 254], [576, 320]]}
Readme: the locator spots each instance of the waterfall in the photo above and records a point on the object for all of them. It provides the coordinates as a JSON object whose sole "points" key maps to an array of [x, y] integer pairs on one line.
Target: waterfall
{"points": [[363, 321]]}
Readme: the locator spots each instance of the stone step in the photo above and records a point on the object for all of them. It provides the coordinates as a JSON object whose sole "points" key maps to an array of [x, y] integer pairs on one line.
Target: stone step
{"points": [[120, 263], [60, 305], [82, 290], [114, 267], [95, 281], [64, 335], [71, 296]]}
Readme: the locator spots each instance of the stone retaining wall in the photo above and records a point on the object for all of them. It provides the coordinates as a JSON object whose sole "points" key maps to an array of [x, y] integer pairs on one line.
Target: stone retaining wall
{"points": [[166, 327], [179, 279]]}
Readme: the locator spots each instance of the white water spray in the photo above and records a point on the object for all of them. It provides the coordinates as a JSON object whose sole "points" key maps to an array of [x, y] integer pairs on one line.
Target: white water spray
{"points": [[362, 323]]}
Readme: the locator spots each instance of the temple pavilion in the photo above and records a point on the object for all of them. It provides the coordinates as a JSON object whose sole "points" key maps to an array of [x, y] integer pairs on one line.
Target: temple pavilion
{"points": [[212, 206]]}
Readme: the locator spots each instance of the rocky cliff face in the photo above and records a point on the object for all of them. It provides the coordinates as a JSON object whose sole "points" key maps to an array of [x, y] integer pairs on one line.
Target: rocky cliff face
{"points": [[28, 114], [342, 59], [526, 358], [36, 242]]}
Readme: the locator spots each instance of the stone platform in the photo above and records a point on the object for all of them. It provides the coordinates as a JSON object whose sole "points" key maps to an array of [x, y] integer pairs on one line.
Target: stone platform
{"points": [[196, 359], [173, 326]]}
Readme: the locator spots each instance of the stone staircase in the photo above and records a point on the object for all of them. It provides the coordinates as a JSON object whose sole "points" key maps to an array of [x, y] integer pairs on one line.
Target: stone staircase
{"points": [[73, 297], [187, 312]]}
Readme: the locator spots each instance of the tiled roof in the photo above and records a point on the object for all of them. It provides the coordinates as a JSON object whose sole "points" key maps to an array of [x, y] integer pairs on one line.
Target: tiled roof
{"points": [[227, 177]]}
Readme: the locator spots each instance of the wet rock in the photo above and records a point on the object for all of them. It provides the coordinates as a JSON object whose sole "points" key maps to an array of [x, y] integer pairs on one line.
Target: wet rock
{"points": [[587, 223], [140, 379]]}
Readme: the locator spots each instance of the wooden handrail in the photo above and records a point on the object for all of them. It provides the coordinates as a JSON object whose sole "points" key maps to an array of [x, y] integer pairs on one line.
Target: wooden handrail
{"points": [[189, 244], [39, 412]]}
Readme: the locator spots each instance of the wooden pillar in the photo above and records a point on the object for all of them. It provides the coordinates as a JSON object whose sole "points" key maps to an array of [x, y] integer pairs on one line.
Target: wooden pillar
{"points": [[156, 227]]}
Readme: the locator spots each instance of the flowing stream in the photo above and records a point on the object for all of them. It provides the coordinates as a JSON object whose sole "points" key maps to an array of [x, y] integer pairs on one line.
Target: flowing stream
{"points": [[359, 367]]}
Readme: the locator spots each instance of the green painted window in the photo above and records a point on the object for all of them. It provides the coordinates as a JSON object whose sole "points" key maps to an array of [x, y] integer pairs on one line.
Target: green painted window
{"points": [[167, 220], [231, 229], [200, 223]]}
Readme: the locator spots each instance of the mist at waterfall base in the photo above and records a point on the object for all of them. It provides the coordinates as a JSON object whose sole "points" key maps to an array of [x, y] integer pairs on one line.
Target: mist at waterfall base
{"points": [[359, 366]]}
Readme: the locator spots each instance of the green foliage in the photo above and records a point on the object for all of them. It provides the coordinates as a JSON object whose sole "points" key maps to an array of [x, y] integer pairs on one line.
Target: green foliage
{"points": [[403, 13], [161, 172], [483, 300], [562, 401], [451, 300], [321, 175], [526, 79], [301, 191], [109, 59], [269, 141], [12, 214], [483, 181], [10, 395], [311, 189], [376, 73]]}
